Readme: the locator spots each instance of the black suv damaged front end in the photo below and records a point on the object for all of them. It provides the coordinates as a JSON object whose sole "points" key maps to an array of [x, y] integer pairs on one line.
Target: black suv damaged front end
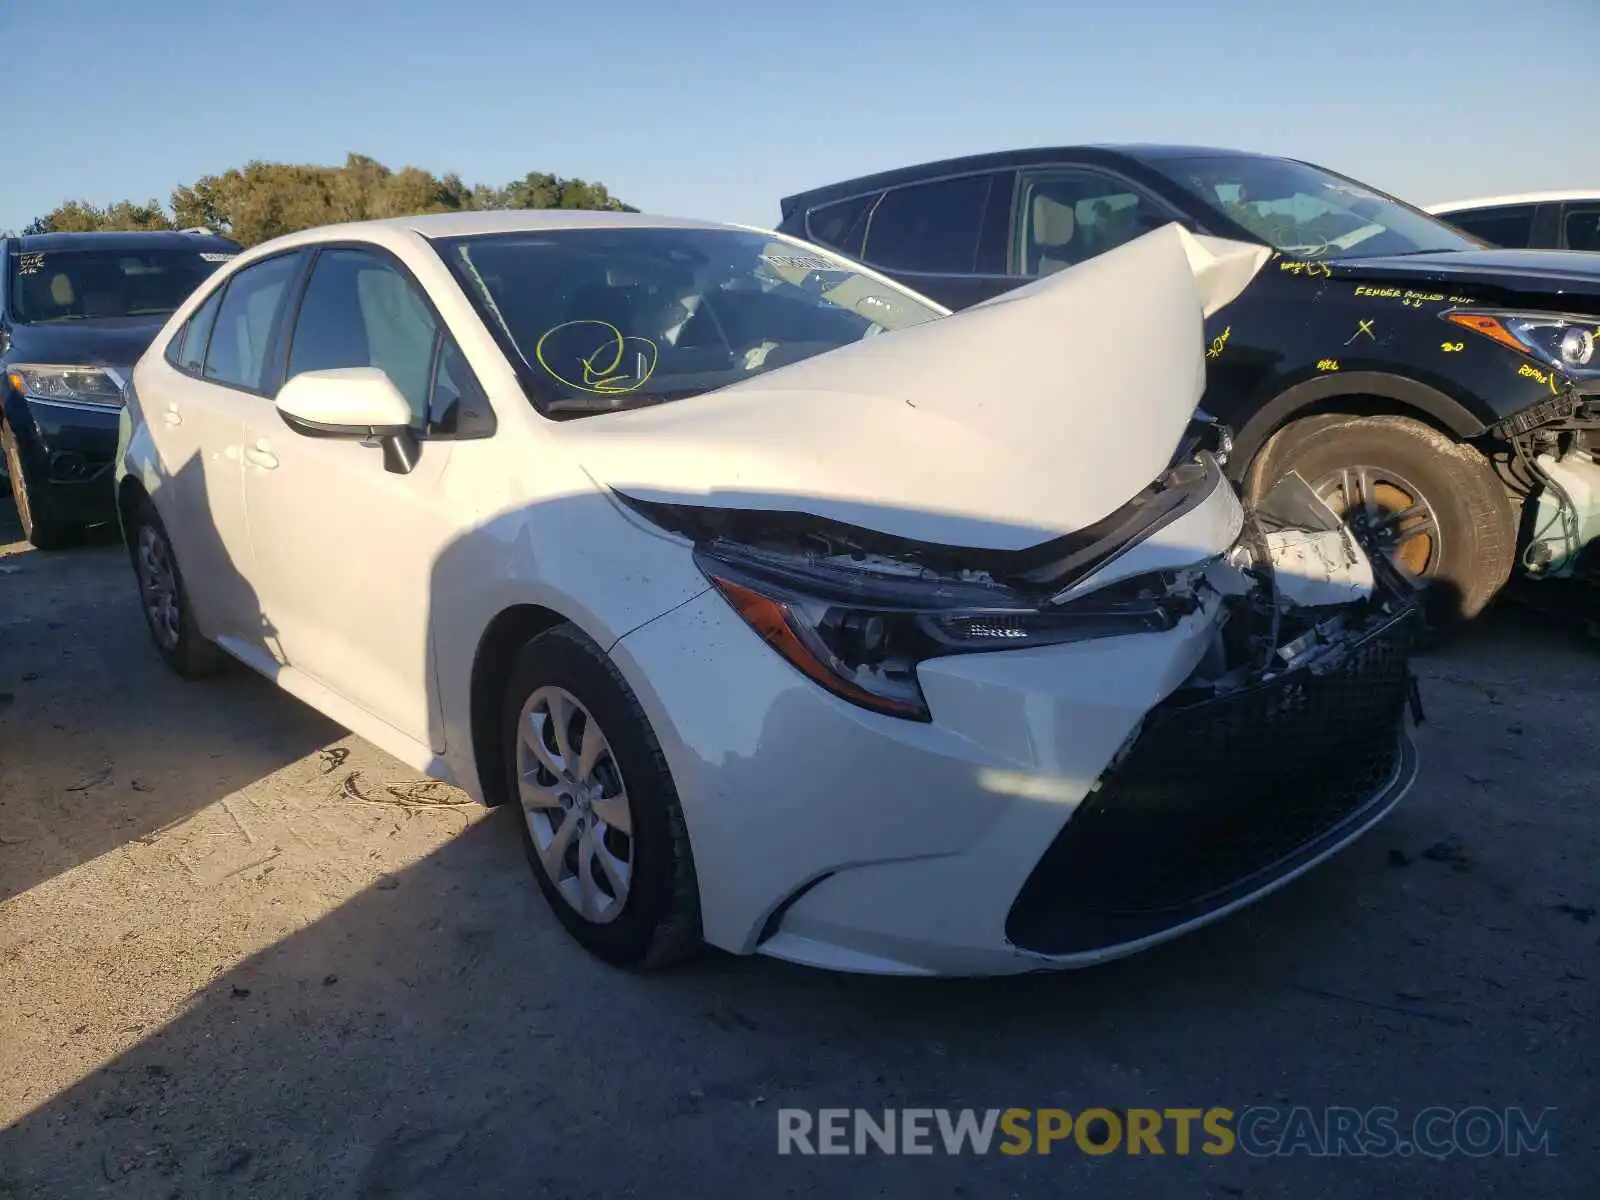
{"points": [[1548, 451]]}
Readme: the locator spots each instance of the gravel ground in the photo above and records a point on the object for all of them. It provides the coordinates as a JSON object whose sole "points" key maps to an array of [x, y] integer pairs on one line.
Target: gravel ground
{"points": [[244, 953]]}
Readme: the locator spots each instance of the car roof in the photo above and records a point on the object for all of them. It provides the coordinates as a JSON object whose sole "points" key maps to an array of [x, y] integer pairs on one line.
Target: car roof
{"points": [[390, 231], [1519, 198], [529, 220], [152, 239], [991, 160]]}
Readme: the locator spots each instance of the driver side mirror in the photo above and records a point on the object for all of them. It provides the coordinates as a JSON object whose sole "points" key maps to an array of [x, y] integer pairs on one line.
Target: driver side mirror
{"points": [[352, 402]]}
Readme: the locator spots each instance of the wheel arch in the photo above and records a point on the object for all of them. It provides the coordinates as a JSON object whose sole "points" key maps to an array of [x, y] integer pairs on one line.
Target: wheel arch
{"points": [[1353, 393], [129, 493], [492, 665]]}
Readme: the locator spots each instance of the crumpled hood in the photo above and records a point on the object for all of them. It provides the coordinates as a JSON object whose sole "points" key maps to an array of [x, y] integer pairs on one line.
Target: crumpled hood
{"points": [[1023, 418]]}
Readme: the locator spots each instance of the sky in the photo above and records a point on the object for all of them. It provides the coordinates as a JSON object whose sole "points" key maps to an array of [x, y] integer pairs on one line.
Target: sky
{"points": [[717, 109]]}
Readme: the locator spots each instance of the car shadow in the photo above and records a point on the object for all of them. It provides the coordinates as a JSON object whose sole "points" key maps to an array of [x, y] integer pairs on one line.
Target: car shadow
{"points": [[440, 1034], [443, 1036], [88, 711]]}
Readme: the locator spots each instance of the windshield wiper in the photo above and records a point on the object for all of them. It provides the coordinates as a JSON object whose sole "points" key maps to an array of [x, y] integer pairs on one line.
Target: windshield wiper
{"points": [[577, 406]]}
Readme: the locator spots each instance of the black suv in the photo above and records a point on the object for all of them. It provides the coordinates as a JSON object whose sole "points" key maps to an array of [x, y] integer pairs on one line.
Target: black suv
{"points": [[1442, 395], [76, 312]]}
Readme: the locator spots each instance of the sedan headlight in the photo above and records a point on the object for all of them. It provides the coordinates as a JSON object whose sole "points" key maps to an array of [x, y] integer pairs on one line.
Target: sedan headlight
{"points": [[860, 630], [1560, 340], [101, 387]]}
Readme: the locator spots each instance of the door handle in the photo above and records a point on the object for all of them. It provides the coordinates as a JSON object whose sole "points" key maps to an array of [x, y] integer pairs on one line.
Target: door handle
{"points": [[172, 416], [261, 455]]}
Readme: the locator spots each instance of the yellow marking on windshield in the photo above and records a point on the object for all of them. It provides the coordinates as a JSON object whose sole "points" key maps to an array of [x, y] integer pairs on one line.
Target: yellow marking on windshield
{"points": [[601, 367]]}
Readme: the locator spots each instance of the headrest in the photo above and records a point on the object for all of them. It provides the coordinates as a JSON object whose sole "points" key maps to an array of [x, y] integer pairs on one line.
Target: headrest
{"points": [[1053, 222], [61, 290]]}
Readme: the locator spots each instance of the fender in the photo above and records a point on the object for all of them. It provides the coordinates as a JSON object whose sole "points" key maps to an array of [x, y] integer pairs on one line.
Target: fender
{"points": [[1312, 394], [14, 409]]}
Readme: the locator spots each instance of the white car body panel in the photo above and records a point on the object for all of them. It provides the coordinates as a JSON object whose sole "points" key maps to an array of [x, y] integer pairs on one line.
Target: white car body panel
{"points": [[198, 464], [369, 594]]}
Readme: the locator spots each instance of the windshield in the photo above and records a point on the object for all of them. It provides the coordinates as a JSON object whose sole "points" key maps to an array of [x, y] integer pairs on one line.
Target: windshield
{"points": [[1310, 213], [76, 285], [605, 319]]}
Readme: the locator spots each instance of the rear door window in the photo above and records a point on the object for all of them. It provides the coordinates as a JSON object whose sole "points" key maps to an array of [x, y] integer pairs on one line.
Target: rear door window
{"points": [[1510, 226], [246, 322], [930, 227], [1582, 226], [197, 332]]}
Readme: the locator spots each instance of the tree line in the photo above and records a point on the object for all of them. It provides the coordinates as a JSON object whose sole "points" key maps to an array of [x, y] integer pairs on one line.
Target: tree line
{"points": [[264, 200]]}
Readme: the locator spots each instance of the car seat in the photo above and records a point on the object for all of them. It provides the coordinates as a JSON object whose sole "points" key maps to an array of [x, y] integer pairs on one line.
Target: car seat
{"points": [[1053, 227], [62, 294]]}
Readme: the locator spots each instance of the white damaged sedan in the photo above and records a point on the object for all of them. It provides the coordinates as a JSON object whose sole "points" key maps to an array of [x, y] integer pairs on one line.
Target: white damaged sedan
{"points": [[796, 615]]}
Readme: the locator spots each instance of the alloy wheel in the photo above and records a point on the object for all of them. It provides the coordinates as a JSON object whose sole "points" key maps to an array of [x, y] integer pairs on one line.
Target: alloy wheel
{"points": [[158, 586], [575, 803], [1388, 514]]}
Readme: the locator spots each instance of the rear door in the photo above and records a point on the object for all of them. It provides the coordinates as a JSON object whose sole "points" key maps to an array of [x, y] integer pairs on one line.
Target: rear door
{"points": [[194, 399]]}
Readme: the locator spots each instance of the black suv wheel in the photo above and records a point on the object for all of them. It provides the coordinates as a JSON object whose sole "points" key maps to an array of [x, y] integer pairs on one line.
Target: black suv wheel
{"points": [[1432, 505], [39, 525]]}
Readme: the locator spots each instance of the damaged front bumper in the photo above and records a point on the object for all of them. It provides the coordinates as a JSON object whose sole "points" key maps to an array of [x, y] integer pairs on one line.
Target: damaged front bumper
{"points": [[1221, 798], [1048, 806]]}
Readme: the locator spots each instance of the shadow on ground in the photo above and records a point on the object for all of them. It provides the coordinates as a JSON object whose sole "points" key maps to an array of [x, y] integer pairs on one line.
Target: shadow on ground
{"points": [[111, 747], [440, 1035]]}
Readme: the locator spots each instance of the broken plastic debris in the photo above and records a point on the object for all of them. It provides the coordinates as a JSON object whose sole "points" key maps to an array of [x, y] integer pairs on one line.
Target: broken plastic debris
{"points": [[1319, 568]]}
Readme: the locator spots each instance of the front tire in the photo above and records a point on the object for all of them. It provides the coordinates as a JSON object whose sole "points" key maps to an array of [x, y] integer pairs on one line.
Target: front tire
{"points": [[600, 819], [1429, 503], [39, 525], [164, 598]]}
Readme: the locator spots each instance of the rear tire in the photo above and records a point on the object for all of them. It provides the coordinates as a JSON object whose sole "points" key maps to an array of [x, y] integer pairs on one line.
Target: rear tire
{"points": [[1432, 504], [39, 525], [599, 814], [165, 598]]}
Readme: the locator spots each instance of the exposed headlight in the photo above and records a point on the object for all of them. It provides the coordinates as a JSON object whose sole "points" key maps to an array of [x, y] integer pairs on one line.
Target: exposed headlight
{"points": [[1560, 340], [860, 632], [98, 386]]}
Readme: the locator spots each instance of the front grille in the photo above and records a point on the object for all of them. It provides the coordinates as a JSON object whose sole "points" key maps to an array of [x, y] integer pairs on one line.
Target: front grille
{"points": [[1217, 797]]}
